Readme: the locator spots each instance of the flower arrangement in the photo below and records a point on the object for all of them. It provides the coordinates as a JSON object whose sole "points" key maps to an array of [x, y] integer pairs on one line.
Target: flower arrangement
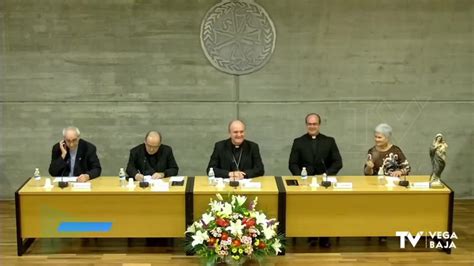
{"points": [[230, 232]]}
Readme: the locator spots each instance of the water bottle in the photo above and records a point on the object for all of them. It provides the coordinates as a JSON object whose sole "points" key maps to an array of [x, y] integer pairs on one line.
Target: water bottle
{"points": [[37, 177], [381, 176], [122, 176], [304, 176], [211, 177]]}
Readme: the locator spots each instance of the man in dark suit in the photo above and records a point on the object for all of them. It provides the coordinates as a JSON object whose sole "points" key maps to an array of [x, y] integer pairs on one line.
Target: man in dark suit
{"points": [[236, 157], [318, 153], [151, 158], [315, 151], [73, 156]]}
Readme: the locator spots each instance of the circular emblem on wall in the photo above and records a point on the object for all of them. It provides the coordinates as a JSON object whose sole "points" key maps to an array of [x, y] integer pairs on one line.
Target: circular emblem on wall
{"points": [[237, 36]]}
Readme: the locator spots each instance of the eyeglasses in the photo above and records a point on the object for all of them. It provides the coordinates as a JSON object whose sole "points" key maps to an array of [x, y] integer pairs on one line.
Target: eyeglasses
{"points": [[152, 147]]}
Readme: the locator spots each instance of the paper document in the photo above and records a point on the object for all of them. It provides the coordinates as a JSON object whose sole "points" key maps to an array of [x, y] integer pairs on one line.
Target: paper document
{"points": [[65, 179]]}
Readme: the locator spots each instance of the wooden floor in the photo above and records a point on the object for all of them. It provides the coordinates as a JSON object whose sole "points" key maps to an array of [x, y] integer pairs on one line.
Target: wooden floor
{"points": [[344, 251]]}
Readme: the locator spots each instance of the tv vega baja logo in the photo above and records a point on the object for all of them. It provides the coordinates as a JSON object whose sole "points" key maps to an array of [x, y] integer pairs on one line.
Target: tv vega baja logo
{"points": [[441, 240]]}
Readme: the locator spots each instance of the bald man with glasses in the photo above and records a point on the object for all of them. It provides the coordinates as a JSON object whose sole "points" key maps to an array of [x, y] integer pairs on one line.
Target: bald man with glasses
{"points": [[152, 158]]}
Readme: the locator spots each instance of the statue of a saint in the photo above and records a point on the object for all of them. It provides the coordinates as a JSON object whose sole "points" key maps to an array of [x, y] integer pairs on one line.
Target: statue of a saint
{"points": [[438, 158]]}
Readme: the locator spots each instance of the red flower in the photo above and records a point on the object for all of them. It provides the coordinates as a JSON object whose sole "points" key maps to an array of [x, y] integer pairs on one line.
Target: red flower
{"points": [[236, 242], [211, 241], [224, 236], [249, 223], [261, 245], [222, 223]]}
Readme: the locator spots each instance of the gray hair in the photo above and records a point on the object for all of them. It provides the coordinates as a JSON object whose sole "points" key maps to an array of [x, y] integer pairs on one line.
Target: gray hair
{"points": [[384, 129], [71, 128]]}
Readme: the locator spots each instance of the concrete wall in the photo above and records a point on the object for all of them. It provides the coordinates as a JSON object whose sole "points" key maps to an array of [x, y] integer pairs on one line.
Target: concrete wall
{"points": [[118, 68]]}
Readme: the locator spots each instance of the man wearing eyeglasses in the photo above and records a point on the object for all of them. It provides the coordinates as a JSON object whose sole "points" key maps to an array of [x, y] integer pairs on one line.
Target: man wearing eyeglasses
{"points": [[315, 151], [318, 153], [152, 158], [73, 156]]}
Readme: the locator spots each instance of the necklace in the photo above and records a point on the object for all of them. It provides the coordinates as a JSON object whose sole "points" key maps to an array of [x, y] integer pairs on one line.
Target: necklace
{"points": [[235, 161]]}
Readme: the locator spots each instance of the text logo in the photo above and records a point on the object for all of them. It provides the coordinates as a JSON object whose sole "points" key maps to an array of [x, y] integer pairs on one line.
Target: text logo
{"points": [[443, 240]]}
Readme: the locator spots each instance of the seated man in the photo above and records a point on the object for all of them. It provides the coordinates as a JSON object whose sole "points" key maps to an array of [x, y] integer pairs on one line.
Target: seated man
{"points": [[151, 158], [236, 157], [315, 151], [73, 156], [318, 153]]}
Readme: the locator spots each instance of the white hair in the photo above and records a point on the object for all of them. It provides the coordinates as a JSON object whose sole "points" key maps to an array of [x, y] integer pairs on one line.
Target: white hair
{"points": [[384, 129], [71, 128]]}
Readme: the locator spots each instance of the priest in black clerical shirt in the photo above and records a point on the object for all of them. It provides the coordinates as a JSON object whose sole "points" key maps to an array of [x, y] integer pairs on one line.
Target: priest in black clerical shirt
{"points": [[315, 151], [236, 157], [319, 154], [151, 158]]}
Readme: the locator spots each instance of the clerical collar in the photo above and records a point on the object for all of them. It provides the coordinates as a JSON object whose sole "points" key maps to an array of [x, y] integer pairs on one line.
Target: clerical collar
{"points": [[234, 146], [313, 137]]}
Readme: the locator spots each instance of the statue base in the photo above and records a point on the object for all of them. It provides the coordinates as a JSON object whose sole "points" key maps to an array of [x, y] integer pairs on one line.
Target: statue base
{"points": [[436, 184]]}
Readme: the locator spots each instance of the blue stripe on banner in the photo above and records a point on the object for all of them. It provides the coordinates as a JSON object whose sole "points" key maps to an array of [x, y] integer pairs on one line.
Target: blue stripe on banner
{"points": [[80, 227]]}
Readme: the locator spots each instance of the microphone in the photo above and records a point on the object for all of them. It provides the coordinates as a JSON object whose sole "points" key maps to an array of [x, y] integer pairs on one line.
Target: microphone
{"points": [[404, 182], [325, 183], [143, 183], [62, 184], [232, 181]]}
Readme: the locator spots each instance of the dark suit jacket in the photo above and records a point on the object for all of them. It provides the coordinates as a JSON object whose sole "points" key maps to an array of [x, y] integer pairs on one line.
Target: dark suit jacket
{"points": [[165, 161], [87, 161], [222, 160], [302, 155]]}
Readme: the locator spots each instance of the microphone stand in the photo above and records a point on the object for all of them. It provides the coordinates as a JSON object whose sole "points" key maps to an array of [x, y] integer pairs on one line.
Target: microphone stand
{"points": [[233, 183], [404, 182], [325, 183], [143, 183], [63, 184]]}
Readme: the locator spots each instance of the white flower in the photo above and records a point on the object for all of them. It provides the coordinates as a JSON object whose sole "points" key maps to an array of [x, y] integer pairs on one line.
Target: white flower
{"points": [[207, 218], [216, 206], [276, 246], [240, 199], [261, 218], [227, 209], [191, 229], [195, 226], [268, 232], [199, 237], [219, 197], [236, 228]]}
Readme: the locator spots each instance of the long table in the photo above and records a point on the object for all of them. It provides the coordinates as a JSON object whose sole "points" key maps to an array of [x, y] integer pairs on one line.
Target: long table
{"points": [[106, 210], [368, 209]]}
